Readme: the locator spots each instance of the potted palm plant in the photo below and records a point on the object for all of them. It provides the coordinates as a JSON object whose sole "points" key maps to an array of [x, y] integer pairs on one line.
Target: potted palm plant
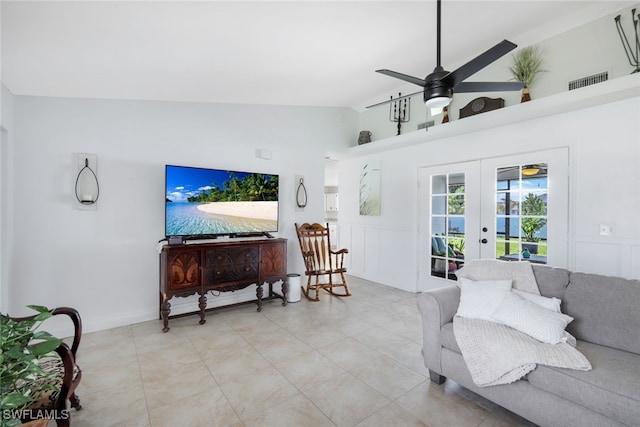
{"points": [[22, 347], [525, 67], [532, 205]]}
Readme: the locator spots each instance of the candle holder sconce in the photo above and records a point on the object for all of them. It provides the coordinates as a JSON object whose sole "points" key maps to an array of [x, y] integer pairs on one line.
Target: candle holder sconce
{"points": [[87, 188], [400, 110], [301, 193]]}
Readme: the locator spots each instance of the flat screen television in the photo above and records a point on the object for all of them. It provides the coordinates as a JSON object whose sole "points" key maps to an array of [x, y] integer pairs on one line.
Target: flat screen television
{"points": [[202, 203]]}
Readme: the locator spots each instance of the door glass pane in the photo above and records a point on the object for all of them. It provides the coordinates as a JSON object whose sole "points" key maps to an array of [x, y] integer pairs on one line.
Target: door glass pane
{"points": [[438, 184], [439, 205], [447, 221], [521, 213]]}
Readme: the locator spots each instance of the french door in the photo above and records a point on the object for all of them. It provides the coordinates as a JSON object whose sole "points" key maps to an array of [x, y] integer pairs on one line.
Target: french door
{"points": [[509, 208]]}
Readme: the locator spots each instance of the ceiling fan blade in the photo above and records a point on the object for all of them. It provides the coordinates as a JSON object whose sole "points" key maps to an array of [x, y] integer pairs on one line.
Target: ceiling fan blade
{"points": [[456, 77], [394, 99], [467, 87], [406, 78]]}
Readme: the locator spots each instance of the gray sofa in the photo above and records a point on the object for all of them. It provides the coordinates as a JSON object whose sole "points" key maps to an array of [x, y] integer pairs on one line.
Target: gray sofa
{"points": [[606, 312]]}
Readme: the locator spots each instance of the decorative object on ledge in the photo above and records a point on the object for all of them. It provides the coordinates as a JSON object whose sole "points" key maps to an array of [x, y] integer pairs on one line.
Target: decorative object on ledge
{"points": [[364, 137], [633, 57], [301, 193], [400, 110], [87, 188], [526, 67], [445, 115], [481, 105]]}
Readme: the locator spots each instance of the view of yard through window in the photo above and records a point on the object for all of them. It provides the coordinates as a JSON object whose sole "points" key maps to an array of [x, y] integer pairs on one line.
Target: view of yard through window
{"points": [[521, 212], [521, 193]]}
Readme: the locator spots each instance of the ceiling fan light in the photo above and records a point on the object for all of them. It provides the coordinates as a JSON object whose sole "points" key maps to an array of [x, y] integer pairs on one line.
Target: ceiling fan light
{"points": [[530, 170], [437, 104]]}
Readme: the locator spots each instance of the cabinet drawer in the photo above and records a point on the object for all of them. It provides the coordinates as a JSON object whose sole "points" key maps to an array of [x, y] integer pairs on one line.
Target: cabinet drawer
{"points": [[230, 256], [231, 273]]}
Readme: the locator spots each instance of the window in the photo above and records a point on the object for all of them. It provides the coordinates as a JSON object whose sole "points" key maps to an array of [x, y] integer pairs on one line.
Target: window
{"points": [[521, 213]]}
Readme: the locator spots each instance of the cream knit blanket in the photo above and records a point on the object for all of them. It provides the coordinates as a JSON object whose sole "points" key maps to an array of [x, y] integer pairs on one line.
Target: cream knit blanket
{"points": [[497, 354]]}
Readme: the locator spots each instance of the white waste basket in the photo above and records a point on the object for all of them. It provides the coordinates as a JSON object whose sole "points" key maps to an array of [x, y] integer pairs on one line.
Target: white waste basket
{"points": [[293, 295]]}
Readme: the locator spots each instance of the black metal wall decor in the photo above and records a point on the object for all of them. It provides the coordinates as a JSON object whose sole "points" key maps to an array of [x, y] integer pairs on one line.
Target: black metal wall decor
{"points": [[87, 186], [400, 110], [633, 53], [301, 194]]}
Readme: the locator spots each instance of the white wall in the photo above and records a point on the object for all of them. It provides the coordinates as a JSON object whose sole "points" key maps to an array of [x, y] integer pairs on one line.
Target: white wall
{"points": [[604, 147], [6, 134], [104, 262]]}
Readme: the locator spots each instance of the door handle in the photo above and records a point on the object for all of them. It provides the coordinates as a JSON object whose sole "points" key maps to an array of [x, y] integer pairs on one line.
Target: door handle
{"points": [[483, 241]]}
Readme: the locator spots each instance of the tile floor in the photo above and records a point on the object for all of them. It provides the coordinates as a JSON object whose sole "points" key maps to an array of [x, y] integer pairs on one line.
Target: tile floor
{"points": [[338, 362]]}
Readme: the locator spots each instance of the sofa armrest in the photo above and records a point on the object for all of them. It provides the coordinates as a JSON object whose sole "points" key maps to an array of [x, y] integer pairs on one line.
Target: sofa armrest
{"points": [[437, 308]]}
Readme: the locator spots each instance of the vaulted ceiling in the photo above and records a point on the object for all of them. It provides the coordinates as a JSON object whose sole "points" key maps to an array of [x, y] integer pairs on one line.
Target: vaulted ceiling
{"points": [[315, 53]]}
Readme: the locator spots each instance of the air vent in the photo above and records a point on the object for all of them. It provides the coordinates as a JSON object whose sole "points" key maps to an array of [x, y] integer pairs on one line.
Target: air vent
{"points": [[589, 80], [425, 124]]}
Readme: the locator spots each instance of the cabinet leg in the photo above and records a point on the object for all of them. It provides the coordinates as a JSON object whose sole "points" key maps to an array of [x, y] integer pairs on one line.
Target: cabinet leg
{"points": [[202, 305], [259, 295], [165, 309], [285, 291]]}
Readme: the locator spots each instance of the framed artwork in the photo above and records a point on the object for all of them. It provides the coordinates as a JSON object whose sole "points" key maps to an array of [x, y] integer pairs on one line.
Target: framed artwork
{"points": [[370, 201]]}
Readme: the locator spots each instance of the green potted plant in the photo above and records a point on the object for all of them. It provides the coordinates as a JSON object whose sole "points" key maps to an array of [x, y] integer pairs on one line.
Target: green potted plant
{"points": [[526, 65], [532, 205], [22, 347]]}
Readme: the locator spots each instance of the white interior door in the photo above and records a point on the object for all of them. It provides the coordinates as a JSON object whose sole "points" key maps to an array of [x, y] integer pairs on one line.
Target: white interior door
{"points": [[510, 208]]}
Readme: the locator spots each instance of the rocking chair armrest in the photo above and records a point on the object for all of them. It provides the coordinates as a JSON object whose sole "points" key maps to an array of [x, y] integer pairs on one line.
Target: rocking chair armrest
{"points": [[77, 326], [341, 251]]}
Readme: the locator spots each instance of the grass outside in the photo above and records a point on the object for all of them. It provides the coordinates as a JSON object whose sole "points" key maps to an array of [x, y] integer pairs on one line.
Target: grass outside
{"points": [[514, 247]]}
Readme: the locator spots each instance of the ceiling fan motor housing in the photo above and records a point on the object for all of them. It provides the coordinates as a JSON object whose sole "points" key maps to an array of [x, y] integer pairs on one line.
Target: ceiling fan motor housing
{"points": [[434, 86]]}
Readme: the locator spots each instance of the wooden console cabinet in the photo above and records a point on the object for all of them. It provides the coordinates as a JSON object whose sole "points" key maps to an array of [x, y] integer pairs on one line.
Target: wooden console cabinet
{"points": [[223, 266]]}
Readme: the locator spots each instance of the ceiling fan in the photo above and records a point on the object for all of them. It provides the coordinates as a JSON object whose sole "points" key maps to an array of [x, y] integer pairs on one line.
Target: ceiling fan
{"points": [[440, 85]]}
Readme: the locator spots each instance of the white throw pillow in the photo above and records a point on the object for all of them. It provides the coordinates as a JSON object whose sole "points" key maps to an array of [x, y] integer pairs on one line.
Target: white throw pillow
{"points": [[478, 300], [531, 319], [552, 303]]}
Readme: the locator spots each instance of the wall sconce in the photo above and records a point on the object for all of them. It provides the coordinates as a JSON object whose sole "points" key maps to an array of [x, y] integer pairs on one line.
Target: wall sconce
{"points": [[87, 188], [301, 192]]}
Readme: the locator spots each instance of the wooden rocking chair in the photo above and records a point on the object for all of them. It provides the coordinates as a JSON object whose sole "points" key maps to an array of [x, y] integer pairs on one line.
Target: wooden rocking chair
{"points": [[320, 260]]}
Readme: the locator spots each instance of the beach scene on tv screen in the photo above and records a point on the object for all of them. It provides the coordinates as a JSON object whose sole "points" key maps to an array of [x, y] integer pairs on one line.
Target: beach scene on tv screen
{"points": [[208, 201]]}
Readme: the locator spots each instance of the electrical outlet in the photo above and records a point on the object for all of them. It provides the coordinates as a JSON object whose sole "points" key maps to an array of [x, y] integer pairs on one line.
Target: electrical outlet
{"points": [[606, 230]]}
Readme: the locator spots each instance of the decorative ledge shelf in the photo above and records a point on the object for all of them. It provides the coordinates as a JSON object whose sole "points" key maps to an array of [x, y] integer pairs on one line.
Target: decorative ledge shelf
{"points": [[602, 93]]}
